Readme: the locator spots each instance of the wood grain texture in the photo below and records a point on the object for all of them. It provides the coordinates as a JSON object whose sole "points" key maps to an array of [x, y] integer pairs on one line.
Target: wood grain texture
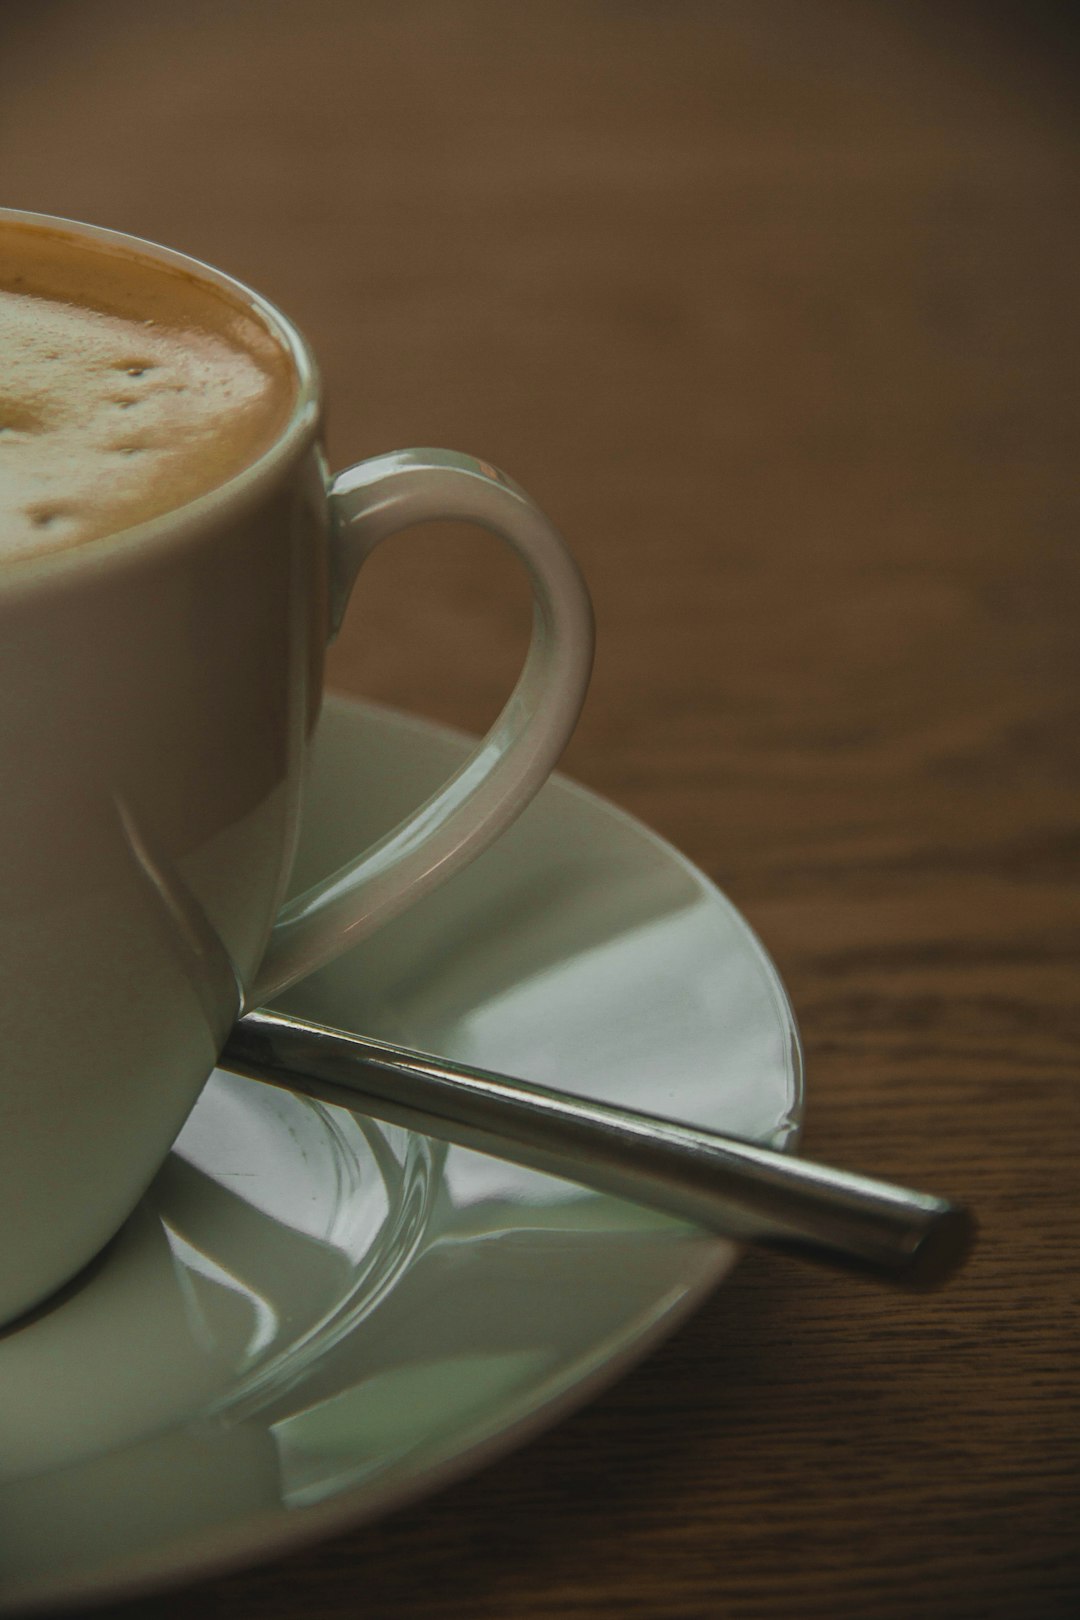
{"points": [[773, 308]]}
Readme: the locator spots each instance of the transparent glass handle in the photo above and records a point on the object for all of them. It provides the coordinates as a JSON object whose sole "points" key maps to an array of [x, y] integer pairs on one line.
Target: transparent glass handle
{"points": [[369, 502]]}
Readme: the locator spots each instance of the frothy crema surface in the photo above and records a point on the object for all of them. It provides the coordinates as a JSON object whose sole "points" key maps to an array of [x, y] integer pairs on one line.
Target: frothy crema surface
{"points": [[127, 389]]}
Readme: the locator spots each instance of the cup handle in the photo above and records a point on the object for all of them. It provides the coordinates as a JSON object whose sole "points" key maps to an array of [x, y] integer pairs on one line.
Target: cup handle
{"points": [[368, 503]]}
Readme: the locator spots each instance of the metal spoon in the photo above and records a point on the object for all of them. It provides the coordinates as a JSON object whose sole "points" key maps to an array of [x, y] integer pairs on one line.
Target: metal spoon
{"points": [[753, 1194]]}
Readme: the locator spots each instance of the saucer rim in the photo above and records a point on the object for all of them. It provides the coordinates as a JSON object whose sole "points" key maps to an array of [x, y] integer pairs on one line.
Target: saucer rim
{"points": [[270, 1533]]}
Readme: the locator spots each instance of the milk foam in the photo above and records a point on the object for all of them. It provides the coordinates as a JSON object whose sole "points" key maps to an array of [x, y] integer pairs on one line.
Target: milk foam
{"points": [[107, 419]]}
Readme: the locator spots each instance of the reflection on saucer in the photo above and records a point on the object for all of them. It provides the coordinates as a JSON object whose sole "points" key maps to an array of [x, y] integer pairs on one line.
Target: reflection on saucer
{"points": [[273, 1228]]}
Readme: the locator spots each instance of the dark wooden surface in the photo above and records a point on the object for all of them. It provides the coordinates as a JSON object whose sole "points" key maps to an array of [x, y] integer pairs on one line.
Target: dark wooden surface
{"points": [[773, 307]]}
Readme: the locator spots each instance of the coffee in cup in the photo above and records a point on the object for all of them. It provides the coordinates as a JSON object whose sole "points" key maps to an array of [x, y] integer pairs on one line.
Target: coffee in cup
{"points": [[127, 391]]}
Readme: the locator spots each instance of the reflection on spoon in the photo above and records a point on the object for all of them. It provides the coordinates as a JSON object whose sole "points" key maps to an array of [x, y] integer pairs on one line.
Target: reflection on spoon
{"points": [[754, 1194]]}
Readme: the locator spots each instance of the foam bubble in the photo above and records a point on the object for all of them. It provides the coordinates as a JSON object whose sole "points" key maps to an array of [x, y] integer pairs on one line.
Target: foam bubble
{"points": [[204, 405]]}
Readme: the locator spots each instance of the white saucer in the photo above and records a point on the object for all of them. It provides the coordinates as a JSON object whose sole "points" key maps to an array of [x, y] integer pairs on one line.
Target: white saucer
{"points": [[312, 1318]]}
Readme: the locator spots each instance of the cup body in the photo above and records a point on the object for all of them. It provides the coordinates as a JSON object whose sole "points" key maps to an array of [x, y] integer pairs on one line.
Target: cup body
{"points": [[157, 688]]}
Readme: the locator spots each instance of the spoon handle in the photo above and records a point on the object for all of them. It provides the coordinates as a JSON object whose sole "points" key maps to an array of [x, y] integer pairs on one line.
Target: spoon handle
{"points": [[753, 1194]]}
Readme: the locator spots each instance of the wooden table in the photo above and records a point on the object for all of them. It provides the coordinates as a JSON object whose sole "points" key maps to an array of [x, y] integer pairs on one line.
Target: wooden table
{"points": [[772, 306]]}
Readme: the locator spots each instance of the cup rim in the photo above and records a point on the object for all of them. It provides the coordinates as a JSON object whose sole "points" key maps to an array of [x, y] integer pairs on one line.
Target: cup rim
{"points": [[243, 488]]}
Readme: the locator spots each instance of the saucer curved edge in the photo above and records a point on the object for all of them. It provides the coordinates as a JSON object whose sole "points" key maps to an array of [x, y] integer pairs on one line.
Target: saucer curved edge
{"points": [[580, 951]]}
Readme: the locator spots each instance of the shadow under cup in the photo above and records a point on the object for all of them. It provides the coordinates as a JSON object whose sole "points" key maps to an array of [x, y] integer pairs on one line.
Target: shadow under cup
{"points": [[158, 685]]}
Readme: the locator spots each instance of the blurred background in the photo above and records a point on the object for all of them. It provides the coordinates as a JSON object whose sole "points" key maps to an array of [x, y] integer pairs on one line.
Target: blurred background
{"points": [[772, 306], [765, 303]]}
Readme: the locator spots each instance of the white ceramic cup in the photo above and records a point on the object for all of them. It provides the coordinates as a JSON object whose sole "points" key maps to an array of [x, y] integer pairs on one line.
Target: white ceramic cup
{"points": [[158, 689]]}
